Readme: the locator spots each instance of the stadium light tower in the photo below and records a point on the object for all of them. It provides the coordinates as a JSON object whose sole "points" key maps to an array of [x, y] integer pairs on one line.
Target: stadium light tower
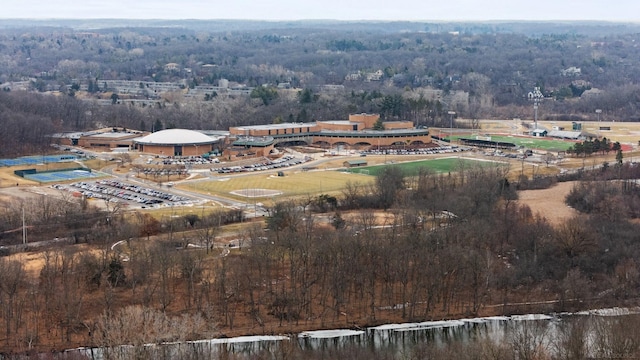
{"points": [[451, 114], [598, 111], [535, 96]]}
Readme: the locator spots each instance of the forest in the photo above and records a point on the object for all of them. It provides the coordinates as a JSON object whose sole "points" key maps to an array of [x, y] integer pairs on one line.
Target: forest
{"points": [[488, 256], [424, 71], [453, 245]]}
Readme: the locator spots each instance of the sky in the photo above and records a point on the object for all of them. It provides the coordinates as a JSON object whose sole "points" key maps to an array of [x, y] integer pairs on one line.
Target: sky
{"points": [[411, 10]]}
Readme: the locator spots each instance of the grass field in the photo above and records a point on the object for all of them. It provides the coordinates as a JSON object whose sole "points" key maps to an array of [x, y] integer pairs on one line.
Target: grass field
{"points": [[181, 211], [438, 165], [293, 184], [528, 142]]}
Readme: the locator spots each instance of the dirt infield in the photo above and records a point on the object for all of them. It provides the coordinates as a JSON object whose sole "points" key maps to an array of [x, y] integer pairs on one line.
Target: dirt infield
{"points": [[256, 193], [549, 203]]}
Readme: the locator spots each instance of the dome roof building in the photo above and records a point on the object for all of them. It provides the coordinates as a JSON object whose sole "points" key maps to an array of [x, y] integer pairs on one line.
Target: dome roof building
{"points": [[176, 142]]}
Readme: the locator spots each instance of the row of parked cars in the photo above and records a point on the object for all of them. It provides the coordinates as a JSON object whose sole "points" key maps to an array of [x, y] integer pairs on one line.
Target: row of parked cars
{"points": [[145, 191], [186, 160], [285, 161], [425, 151], [115, 191]]}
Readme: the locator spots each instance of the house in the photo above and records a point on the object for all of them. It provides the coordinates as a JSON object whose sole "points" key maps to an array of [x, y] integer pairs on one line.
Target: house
{"points": [[571, 71], [375, 76], [171, 67], [353, 77]]}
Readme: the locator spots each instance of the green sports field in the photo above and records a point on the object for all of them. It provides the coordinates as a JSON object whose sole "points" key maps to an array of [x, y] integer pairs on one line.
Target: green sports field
{"points": [[442, 165], [529, 143]]}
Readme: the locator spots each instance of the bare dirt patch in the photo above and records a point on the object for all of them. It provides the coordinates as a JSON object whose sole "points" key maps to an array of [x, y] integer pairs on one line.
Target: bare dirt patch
{"points": [[251, 193], [549, 203]]}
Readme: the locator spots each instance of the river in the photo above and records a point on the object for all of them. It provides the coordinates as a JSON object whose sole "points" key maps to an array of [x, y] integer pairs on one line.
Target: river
{"points": [[599, 330]]}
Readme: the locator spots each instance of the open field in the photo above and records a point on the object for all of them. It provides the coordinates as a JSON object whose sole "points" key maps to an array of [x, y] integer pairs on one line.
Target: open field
{"points": [[412, 168], [293, 184], [549, 203], [624, 132], [181, 211], [504, 130], [536, 143]]}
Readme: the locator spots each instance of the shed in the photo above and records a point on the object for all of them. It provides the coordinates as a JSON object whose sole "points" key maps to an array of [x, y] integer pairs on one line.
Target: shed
{"points": [[539, 132], [354, 163]]}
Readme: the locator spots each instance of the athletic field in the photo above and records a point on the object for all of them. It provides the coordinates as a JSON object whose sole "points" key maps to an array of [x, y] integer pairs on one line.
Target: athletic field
{"points": [[529, 142], [292, 184], [412, 168]]}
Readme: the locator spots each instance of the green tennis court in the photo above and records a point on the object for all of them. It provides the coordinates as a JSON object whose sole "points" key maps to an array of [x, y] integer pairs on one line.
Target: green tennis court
{"points": [[64, 175]]}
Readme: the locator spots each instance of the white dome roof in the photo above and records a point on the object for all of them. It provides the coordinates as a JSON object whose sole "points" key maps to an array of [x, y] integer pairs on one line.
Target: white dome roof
{"points": [[176, 137]]}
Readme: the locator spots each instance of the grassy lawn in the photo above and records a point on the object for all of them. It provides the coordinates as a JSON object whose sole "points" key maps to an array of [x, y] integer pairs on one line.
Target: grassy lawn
{"points": [[532, 143], [292, 184], [438, 165], [180, 211]]}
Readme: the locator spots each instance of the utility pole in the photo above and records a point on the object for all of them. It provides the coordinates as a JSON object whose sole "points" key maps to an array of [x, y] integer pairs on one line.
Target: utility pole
{"points": [[24, 228]]}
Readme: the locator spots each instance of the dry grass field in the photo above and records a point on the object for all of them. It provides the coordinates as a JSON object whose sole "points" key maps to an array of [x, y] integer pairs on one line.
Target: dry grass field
{"points": [[624, 132], [293, 184]]}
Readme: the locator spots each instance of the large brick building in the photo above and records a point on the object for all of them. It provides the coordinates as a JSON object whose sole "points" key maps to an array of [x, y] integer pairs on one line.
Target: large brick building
{"points": [[357, 132]]}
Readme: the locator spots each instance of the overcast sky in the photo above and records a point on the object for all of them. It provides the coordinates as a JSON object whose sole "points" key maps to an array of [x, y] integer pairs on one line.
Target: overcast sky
{"points": [[609, 10]]}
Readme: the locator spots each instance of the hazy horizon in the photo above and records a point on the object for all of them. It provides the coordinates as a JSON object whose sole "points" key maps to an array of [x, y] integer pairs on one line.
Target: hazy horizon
{"points": [[291, 10]]}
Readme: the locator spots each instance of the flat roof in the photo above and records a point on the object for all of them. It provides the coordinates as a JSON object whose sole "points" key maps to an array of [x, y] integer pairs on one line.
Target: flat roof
{"points": [[276, 126], [75, 134], [254, 141], [115, 135], [340, 122], [375, 132], [565, 134]]}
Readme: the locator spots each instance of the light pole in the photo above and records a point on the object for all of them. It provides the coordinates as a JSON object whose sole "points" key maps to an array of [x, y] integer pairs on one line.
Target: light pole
{"points": [[536, 96], [451, 114], [598, 112]]}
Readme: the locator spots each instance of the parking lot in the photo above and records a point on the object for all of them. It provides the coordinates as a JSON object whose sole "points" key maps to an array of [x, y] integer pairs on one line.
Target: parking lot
{"points": [[283, 162], [117, 191], [419, 151]]}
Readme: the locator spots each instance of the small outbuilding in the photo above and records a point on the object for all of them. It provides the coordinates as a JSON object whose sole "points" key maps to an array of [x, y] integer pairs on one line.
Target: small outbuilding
{"points": [[354, 163]]}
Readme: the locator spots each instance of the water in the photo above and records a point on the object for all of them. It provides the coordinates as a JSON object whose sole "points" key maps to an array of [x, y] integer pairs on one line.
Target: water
{"points": [[535, 331]]}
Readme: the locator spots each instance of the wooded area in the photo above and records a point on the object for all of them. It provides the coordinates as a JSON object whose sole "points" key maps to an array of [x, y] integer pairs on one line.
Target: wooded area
{"points": [[451, 245], [479, 72], [484, 253]]}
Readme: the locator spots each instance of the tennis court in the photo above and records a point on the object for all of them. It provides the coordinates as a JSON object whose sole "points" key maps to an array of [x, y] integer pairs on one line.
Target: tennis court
{"points": [[37, 159], [63, 175]]}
